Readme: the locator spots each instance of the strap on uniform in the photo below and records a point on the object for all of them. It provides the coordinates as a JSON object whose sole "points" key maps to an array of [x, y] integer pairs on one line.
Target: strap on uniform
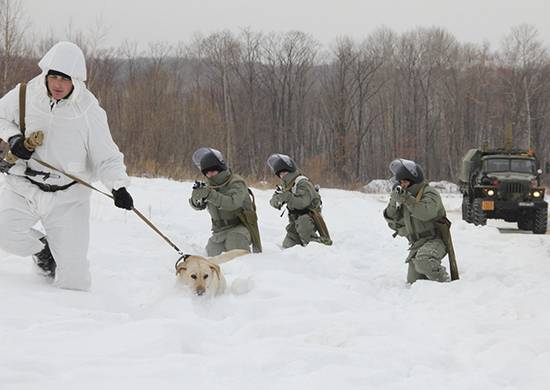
{"points": [[222, 223], [421, 192], [22, 97], [50, 187]]}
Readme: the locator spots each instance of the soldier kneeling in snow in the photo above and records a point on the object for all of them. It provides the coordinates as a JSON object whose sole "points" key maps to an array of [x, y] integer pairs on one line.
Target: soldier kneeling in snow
{"points": [[412, 212], [302, 201], [225, 195]]}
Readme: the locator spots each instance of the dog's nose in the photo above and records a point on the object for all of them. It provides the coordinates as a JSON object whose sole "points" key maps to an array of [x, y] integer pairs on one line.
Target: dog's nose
{"points": [[200, 291]]}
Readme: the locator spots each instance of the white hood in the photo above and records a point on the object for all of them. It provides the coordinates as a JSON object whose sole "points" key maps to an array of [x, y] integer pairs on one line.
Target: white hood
{"points": [[65, 57]]}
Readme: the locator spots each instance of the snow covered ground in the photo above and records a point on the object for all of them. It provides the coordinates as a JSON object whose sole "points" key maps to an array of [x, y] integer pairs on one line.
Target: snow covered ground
{"points": [[339, 317]]}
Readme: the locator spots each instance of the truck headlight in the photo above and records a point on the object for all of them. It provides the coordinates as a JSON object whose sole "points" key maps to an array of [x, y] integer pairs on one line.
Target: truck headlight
{"points": [[491, 192], [536, 194]]}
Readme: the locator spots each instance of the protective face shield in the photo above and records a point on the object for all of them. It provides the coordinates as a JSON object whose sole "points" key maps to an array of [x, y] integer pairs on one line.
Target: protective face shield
{"points": [[403, 169], [209, 159], [281, 162]]}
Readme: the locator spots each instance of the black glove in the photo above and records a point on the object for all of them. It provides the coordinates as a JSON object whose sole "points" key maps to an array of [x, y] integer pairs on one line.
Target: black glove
{"points": [[17, 147], [123, 199]]}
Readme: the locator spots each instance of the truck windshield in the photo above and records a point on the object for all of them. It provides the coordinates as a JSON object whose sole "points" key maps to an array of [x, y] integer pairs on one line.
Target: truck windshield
{"points": [[509, 165]]}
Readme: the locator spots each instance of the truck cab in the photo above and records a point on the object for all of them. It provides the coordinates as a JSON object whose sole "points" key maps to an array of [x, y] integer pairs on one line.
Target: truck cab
{"points": [[503, 185]]}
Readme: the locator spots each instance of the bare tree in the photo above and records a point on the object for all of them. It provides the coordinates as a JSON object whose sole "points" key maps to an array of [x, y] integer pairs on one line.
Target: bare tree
{"points": [[12, 30], [523, 60]]}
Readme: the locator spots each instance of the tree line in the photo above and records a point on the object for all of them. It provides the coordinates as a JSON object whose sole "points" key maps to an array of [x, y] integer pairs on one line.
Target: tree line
{"points": [[343, 111]]}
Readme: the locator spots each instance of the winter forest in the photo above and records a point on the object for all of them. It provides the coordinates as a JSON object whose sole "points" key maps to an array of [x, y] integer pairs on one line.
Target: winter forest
{"points": [[343, 110]]}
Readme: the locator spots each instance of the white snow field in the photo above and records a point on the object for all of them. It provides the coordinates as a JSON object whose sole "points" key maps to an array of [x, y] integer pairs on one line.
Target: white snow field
{"points": [[339, 317]]}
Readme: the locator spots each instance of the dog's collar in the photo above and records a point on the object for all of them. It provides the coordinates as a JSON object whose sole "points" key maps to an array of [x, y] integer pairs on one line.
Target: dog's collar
{"points": [[182, 258]]}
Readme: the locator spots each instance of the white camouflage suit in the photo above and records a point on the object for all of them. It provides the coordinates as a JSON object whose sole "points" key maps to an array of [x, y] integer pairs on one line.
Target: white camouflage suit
{"points": [[77, 140]]}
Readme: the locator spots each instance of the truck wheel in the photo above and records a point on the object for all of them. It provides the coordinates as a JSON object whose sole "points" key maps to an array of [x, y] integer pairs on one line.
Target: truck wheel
{"points": [[478, 215], [466, 209], [541, 221], [525, 223]]}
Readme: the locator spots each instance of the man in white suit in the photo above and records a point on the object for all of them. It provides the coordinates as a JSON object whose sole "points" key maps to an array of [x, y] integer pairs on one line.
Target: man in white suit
{"points": [[77, 140]]}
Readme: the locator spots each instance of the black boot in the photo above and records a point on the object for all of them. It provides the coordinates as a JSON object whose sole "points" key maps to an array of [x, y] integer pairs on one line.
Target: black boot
{"points": [[44, 259]]}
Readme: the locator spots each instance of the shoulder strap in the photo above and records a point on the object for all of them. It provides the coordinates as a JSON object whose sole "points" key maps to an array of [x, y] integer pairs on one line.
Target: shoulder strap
{"points": [[22, 97], [421, 192], [291, 186], [298, 180], [253, 199]]}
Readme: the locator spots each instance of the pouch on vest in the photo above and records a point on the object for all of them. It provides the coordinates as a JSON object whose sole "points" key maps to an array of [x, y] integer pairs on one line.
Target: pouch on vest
{"points": [[321, 226], [249, 219], [443, 225]]}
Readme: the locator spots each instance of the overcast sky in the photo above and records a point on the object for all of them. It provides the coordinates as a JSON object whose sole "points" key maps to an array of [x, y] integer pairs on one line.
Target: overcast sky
{"points": [[176, 20]]}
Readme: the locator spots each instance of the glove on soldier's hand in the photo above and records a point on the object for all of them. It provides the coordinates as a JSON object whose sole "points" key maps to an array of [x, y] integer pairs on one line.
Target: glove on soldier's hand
{"points": [[17, 147], [402, 196], [279, 199], [200, 193], [285, 196], [275, 202], [123, 199], [200, 205], [399, 190]]}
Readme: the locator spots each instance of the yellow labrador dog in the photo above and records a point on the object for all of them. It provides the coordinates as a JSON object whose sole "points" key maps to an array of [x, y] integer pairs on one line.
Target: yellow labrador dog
{"points": [[204, 275]]}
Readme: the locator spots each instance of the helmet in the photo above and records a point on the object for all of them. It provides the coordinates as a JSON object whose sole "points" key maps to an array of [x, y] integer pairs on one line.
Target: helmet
{"points": [[209, 159], [281, 162], [406, 170]]}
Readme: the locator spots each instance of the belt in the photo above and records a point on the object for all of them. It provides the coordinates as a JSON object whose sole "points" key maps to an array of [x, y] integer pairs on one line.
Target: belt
{"points": [[298, 212], [222, 223], [50, 187], [425, 234]]}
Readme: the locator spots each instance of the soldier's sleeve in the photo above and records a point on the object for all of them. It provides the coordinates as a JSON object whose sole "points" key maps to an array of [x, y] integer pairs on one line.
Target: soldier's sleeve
{"points": [[303, 197], [427, 208], [9, 114], [107, 160], [232, 200]]}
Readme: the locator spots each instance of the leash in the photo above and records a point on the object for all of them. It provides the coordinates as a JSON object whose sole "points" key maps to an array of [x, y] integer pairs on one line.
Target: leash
{"points": [[136, 211]]}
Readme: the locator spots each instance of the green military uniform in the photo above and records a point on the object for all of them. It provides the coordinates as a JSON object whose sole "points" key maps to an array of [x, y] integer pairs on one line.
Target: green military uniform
{"points": [[412, 214], [300, 196], [227, 197]]}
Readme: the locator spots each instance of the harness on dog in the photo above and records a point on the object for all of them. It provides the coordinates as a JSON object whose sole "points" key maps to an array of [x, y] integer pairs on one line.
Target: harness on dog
{"points": [[182, 259]]}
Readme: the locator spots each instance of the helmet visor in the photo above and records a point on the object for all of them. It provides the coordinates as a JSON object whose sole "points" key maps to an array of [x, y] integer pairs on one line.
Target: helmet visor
{"points": [[399, 163], [278, 162], [202, 152]]}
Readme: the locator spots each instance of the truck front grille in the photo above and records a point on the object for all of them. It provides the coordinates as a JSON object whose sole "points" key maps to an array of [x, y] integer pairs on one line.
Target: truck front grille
{"points": [[516, 188]]}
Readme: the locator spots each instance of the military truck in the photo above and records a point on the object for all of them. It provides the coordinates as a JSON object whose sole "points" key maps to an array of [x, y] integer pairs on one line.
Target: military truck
{"points": [[503, 184]]}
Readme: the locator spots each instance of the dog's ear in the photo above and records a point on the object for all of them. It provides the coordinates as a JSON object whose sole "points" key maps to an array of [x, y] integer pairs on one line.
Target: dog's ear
{"points": [[216, 269], [181, 269]]}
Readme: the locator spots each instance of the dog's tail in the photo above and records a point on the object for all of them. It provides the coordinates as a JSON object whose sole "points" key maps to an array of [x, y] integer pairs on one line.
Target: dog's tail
{"points": [[227, 256]]}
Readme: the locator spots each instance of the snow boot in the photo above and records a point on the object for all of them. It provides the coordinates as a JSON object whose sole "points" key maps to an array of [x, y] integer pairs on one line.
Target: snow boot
{"points": [[44, 259]]}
